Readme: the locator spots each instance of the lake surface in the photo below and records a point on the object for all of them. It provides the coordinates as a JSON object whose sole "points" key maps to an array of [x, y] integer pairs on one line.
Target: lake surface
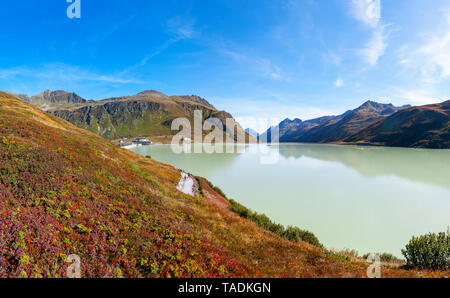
{"points": [[372, 199]]}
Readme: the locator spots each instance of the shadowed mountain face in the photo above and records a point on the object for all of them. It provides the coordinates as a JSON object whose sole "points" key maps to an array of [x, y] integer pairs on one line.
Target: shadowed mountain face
{"points": [[334, 128], [149, 113], [424, 126], [288, 129], [349, 123]]}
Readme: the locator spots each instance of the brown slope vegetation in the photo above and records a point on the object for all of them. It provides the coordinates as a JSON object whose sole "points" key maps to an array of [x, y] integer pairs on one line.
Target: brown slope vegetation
{"points": [[423, 127], [65, 191]]}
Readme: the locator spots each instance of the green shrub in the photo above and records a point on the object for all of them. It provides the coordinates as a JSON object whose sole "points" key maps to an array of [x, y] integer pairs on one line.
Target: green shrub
{"points": [[293, 234], [239, 209], [385, 257], [296, 234], [431, 251]]}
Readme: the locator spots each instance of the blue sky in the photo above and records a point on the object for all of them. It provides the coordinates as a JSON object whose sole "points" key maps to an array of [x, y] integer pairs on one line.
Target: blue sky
{"points": [[253, 58]]}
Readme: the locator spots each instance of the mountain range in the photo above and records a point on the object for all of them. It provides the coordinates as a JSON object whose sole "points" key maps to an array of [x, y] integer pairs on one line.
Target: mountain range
{"points": [[424, 127], [150, 114], [333, 128], [373, 124], [146, 114]]}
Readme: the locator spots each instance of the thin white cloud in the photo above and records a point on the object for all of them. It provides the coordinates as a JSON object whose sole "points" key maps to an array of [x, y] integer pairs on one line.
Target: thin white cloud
{"points": [[332, 58], [249, 62], [269, 70], [368, 12], [419, 97], [339, 83], [181, 28], [376, 47], [63, 72], [437, 54], [232, 54], [428, 58], [401, 96], [149, 56], [9, 73]]}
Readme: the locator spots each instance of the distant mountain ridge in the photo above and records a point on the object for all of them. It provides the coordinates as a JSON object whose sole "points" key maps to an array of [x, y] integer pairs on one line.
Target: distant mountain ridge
{"points": [[52, 99], [333, 128], [422, 126], [374, 124], [149, 113]]}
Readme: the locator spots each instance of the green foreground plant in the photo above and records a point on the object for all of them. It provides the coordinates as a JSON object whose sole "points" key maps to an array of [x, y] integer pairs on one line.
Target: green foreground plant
{"points": [[431, 251]]}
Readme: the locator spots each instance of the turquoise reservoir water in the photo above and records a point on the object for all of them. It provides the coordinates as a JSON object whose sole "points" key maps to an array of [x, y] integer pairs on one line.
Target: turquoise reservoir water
{"points": [[372, 199]]}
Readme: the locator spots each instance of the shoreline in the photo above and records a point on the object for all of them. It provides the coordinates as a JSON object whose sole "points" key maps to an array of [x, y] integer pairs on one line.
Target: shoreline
{"points": [[292, 144], [167, 140]]}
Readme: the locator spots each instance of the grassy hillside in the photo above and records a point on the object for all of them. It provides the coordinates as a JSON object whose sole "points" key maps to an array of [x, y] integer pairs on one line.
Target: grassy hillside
{"points": [[64, 190], [422, 127]]}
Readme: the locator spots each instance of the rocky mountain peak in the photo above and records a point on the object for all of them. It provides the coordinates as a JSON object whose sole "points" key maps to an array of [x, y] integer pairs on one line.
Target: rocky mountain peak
{"points": [[375, 105], [288, 121], [58, 96], [152, 93], [196, 98]]}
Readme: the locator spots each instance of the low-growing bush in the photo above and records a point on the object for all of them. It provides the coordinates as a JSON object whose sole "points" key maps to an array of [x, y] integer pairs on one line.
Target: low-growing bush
{"points": [[296, 234], [385, 257], [293, 234], [431, 251]]}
